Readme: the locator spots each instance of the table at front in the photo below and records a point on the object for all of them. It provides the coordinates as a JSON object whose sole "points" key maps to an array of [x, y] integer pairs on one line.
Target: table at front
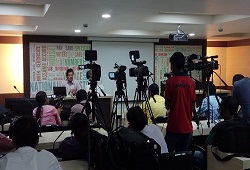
{"points": [[202, 130], [48, 138]]}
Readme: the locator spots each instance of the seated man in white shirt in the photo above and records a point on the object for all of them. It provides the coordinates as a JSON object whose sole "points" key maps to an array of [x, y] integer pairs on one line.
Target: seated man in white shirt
{"points": [[24, 132], [72, 86], [138, 120]]}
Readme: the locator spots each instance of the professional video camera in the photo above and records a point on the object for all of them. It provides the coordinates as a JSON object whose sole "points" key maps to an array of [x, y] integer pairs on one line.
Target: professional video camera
{"points": [[140, 70], [197, 62], [94, 74], [120, 74]]}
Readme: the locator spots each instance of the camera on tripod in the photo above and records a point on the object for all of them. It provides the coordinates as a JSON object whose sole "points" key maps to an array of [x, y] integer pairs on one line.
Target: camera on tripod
{"points": [[120, 74], [197, 62], [140, 70], [94, 74]]}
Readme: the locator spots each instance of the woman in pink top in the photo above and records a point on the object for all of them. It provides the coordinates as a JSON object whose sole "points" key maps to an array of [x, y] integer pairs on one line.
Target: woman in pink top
{"points": [[46, 114]]}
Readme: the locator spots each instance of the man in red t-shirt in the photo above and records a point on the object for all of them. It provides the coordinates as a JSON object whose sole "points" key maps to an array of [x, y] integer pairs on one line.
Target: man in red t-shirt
{"points": [[180, 98]]}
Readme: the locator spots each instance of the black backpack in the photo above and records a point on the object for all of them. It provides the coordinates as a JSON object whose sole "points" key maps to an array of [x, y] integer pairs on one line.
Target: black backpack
{"points": [[233, 137], [140, 151]]}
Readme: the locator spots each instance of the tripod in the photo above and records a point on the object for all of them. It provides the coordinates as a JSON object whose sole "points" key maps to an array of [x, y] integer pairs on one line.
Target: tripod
{"points": [[119, 95], [206, 94], [140, 96], [96, 112]]}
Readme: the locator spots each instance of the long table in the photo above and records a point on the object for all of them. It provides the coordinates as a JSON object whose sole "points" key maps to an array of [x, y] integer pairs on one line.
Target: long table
{"points": [[48, 138], [202, 129]]}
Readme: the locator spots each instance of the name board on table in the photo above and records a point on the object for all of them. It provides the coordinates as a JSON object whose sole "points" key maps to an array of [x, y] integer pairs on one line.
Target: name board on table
{"points": [[49, 62]]}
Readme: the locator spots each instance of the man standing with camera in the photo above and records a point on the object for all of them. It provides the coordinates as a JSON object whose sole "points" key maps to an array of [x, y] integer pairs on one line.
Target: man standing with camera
{"points": [[180, 98]]}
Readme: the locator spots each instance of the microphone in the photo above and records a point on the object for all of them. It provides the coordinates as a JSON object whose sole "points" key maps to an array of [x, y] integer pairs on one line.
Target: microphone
{"points": [[104, 94], [25, 97]]}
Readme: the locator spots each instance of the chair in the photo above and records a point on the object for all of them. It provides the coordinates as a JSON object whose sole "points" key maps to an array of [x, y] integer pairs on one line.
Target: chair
{"points": [[199, 158], [161, 119], [176, 161]]}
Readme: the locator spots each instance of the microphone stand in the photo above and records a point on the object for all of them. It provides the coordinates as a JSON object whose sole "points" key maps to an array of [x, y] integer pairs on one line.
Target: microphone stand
{"points": [[104, 94], [25, 97]]}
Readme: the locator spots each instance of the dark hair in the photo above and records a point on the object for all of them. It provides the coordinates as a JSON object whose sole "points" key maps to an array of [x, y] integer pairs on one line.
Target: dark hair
{"points": [[230, 103], [154, 88], [24, 131], [136, 118], [178, 59], [68, 71], [81, 95], [41, 97], [237, 77], [79, 123]]}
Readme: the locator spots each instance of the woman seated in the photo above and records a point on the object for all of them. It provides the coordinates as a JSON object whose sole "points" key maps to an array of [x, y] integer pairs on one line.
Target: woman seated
{"points": [[46, 114]]}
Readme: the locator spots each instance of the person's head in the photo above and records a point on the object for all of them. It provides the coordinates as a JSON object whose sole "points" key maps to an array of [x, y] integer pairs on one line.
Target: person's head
{"points": [[177, 61], [153, 89], [41, 98], [81, 95], [69, 74], [237, 77], [136, 118], [24, 132], [80, 126], [228, 107]]}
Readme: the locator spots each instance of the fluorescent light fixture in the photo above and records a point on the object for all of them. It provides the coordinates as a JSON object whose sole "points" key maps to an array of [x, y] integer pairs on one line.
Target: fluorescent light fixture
{"points": [[33, 10], [191, 34], [18, 28], [106, 15], [77, 31]]}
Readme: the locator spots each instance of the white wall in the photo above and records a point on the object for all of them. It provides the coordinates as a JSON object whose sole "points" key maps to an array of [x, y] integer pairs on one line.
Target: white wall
{"points": [[108, 53]]}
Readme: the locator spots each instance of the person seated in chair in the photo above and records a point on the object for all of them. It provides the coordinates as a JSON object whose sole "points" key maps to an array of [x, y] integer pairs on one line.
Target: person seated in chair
{"points": [[228, 112], [138, 121], [156, 102], [46, 114], [24, 133], [76, 146], [81, 97]]}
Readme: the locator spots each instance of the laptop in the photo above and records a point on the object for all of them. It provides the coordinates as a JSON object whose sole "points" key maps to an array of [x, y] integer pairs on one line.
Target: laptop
{"points": [[59, 91]]}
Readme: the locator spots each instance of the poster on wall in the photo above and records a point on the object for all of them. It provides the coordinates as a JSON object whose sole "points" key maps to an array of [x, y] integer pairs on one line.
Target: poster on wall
{"points": [[49, 62], [162, 57]]}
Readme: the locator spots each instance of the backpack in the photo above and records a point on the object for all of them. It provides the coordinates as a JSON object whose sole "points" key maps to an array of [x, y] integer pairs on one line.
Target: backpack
{"points": [[233, 137], [140, 151]]}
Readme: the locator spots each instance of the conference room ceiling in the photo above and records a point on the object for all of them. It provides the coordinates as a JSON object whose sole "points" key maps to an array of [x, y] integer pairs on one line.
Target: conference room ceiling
{"points": [[221, 20]]}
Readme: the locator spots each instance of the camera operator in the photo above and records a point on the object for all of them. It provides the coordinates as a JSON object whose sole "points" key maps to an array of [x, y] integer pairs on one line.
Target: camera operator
{"points": [[72, 86], [180, 98]]}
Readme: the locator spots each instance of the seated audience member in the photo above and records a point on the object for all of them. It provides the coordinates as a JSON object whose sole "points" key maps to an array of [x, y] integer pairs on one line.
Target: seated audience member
{"points": [[156, 102], [241, 92], [138, 120], [228, 112], [5, 144], [214, 110], [75, 146], [81, 97], [46, 114], [24, 133]]}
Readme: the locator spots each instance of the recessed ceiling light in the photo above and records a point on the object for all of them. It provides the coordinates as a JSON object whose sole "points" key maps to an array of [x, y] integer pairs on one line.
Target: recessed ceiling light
{"points": [[106, 15], [77, 31], [191, 34]]}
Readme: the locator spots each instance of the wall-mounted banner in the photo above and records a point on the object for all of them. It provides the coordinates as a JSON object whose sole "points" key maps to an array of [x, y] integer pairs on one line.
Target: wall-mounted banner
{"points": [[49, 62]]}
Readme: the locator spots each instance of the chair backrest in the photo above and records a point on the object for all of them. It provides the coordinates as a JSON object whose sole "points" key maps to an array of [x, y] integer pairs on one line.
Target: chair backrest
{"points": [[199, 158], [51, 128], [176, 161], [161, 119]]}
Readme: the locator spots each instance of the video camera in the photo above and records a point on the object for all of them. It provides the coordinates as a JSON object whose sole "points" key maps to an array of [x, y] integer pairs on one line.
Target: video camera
{"points": [[140, 70], [197, 62], [94, 74], [120, 74]]}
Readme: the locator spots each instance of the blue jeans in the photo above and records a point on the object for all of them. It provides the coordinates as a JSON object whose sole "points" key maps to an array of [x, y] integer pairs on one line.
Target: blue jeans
{"points": [[178, 141]]}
